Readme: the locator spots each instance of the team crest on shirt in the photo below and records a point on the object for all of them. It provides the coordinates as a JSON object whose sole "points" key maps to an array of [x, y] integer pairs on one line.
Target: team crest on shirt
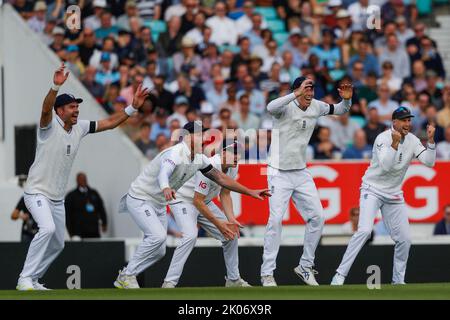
{"points": [[148, 213], [184, 210], [39, 203], [301, 124]]}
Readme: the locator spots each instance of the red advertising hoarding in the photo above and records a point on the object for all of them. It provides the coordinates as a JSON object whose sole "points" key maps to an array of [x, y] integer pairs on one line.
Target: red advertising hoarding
{"points": [[426, 191]]}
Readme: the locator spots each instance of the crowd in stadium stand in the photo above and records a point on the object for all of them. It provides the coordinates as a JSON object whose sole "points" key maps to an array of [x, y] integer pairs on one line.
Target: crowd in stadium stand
{"points": [[223, 61]]}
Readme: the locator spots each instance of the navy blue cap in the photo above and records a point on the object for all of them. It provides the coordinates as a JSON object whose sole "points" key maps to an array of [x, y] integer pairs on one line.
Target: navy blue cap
{"points": [[402, 113], [194, 127], [64, 99]]}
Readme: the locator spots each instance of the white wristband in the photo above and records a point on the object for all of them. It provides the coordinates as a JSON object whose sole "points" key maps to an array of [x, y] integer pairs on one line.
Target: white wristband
{"points": [[130, 110], [55, 87]]}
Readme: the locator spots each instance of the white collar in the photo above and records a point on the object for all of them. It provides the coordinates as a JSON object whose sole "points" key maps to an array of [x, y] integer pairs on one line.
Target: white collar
{"points": [[62, 123]]}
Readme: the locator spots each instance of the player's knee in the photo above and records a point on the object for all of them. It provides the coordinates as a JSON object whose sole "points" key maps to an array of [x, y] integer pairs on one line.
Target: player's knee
{"points": [[364, 233], [61, 244], [275, 219], [404, 240], [161, 251], [190, 238], [160, 239], [317, 221], [47, 230]]}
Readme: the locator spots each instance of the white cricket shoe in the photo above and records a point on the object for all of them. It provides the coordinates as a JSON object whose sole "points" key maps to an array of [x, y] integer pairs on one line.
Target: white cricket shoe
{"points": [[25, 284], [236, 283], [168, 285], [338, 280], [307, 275], [39, 286], [268, 281], [124, 281]]}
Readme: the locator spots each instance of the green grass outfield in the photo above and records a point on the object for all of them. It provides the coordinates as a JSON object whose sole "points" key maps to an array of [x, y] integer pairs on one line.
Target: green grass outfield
{"points": [[410, 291]]}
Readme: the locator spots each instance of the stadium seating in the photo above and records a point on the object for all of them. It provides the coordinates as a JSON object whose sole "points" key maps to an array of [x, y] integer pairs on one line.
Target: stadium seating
{"points": [[268, 13], [276, 25]]}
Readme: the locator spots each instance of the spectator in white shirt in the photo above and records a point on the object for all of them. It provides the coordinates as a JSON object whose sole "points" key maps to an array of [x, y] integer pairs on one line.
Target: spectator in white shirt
{"points": [[108, 46], [180, 109], [397, 55], [244, 23], [93, 21], [384, 104], [257, 100], [443, 147], [271, 57], [130, 12], [196, 34], [218, 95], [223, 28], [389, 78], [358, 12], [177, 10], [244, 118], [404, 33], [343, 130], [38, 21]]}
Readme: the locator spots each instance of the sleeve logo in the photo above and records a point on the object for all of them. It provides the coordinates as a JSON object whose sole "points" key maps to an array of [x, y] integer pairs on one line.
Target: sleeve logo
{"points": [[202, 185]]}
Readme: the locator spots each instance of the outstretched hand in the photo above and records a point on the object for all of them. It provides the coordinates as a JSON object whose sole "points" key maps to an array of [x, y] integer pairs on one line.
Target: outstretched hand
{"points": [[346, 90], [139, 97], [60, 75], [431, 129], [261, 194]]}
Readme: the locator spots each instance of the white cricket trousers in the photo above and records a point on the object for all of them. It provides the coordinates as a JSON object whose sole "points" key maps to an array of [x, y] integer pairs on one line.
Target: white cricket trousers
{"points": [[152, 220], [396, 220], [187, 216], [48, 243], [299, 185]]}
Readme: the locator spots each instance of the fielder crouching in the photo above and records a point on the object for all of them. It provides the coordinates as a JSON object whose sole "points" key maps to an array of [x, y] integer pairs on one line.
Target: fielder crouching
{"points": [[194, 206]]}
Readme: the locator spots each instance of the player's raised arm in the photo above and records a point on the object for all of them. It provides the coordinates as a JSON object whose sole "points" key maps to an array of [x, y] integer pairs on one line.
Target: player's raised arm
{"points": [[118, 118], [59, 78], [346, 92], [276, 106], [226, 182], [427, 155], [227, 228]]}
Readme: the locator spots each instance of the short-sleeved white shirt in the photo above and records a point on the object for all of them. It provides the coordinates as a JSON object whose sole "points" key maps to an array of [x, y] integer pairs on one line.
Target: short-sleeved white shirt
{"points": [[146, 186], [56, 150]]}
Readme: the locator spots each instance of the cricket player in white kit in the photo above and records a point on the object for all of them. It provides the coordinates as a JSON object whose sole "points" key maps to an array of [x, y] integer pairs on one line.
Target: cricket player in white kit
{"points": [[381, 189], [295, 116], [194, 206], [59, 136], [156, 186]]}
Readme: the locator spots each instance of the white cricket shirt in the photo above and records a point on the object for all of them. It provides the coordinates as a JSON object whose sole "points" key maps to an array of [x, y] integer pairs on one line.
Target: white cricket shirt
{"points": [[293, 128], [201, 184], [55, 153], [178, 157], [388, 167]]}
